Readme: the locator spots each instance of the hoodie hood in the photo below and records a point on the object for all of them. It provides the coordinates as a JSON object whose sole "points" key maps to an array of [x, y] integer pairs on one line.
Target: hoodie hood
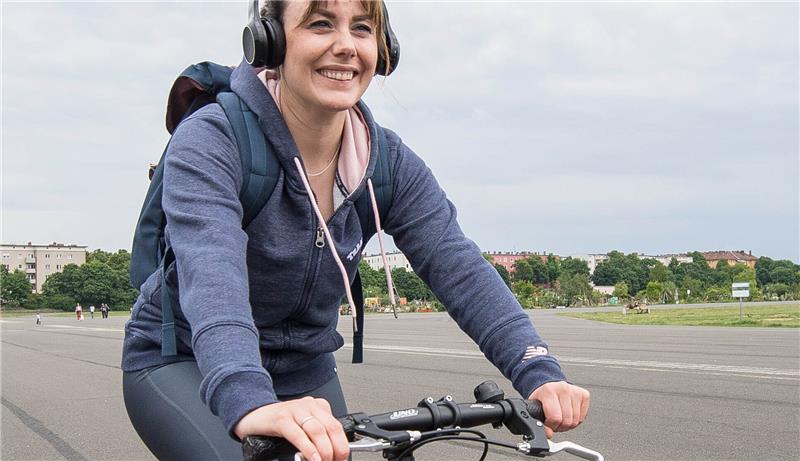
{"points": [[246, 84]]}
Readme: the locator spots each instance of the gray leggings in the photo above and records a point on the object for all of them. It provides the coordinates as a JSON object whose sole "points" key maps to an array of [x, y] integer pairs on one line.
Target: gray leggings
{"points": [[164, 406]]}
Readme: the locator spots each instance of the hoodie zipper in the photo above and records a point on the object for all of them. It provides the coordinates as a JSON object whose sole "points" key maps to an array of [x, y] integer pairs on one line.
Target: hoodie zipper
{"points": [[320, 242], [316, 258]]}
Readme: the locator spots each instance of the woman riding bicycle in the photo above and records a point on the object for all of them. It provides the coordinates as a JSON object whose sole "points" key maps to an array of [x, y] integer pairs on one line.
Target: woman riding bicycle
{"points": [[257, 308]]}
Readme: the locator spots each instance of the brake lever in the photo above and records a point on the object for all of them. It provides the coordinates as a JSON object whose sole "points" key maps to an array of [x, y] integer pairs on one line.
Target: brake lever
{"points": [[573, 449], [369, 444]]}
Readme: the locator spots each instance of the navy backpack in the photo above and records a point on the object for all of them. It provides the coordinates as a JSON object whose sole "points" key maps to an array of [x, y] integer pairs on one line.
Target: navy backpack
{"points": [[197, 86]]}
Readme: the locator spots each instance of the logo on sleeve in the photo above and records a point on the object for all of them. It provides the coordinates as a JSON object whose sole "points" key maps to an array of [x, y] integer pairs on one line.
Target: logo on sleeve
{"points": [[534, 351], [353, 253]]}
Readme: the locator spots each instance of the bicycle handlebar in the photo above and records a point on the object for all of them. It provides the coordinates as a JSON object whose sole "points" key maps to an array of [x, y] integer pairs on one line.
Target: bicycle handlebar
{"points": [[394, 432]]}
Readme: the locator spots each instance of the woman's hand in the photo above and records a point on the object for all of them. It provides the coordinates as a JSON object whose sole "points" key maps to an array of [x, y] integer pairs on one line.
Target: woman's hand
{"points": [[565, 406], [306, 423]]}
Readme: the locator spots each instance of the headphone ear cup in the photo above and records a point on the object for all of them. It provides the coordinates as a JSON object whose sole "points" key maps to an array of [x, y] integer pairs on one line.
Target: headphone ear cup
{"points": [[254, 43], [276, 46], [264, 43], [384, 68]]}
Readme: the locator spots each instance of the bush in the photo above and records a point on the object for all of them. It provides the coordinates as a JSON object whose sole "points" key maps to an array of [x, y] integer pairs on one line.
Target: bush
{"points": [[718, 294], [55, 302]]}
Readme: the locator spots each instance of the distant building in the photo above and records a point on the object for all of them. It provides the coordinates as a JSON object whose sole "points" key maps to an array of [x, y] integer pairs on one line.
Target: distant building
{"points": [[731, 257], [395, 259], [607, 290], [667, 259], [507, 259], [592, 260], [40, 261]]}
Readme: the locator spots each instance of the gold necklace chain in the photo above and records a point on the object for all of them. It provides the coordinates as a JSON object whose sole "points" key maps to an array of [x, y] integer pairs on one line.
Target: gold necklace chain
{"points": [[335, 155]]}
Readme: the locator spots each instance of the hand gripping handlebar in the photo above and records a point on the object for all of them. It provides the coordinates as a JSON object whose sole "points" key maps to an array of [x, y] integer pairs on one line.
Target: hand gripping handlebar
{"points": [[397, 432]]}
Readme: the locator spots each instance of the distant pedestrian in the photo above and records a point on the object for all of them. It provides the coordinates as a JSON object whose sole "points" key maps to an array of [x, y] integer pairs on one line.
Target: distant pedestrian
{"points": [[104, 310], [79, 312], [91, 310], [38, 318]]}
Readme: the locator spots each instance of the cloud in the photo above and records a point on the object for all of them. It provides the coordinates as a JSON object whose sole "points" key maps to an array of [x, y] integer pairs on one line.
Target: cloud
{"points": [[566, 127]]}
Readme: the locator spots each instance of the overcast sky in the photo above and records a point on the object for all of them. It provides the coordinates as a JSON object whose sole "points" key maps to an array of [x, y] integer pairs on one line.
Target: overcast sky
{"points": [[558, 127]]}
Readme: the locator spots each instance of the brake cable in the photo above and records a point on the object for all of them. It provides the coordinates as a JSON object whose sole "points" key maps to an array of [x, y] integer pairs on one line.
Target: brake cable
{"points": [[442, 435]]}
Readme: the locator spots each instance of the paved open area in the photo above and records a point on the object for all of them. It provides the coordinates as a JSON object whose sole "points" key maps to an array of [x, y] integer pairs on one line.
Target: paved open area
{"points": [[658, 393]]}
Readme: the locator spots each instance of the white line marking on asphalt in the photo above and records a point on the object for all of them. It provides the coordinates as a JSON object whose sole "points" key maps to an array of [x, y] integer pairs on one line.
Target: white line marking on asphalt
{"points": [[648, 365], [73, 327]]}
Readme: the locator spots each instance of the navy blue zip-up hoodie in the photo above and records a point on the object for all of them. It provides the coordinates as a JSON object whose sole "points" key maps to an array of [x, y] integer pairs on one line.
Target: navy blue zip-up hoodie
{"points": [[258, 307]]}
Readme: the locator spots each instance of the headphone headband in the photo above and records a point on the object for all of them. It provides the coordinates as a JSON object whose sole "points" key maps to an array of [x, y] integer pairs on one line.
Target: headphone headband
{"points": [[264, 42]]}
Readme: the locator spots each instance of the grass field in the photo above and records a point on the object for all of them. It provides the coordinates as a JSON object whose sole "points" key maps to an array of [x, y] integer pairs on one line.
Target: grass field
{"points": [[786, 316]]}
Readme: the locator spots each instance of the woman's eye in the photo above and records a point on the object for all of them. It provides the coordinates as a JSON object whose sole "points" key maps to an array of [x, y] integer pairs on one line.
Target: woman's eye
{"points": [[321, 24], [363, 28]]}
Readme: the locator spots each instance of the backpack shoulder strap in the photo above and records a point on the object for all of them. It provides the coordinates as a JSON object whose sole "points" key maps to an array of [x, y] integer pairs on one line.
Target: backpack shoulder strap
{"points": [[382, 183], [260, 171], [260, 166]]}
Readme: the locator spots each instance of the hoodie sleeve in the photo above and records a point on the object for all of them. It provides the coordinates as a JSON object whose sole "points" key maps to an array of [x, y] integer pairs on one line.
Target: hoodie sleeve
{"points": [[423, 223], [202, 178]]}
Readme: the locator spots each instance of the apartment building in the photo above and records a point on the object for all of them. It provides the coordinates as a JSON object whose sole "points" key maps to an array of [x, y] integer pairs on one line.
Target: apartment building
{"points": [[508, 258], [667, 259], [731, 257], [40, 261], [395, 259], [592, 260]]}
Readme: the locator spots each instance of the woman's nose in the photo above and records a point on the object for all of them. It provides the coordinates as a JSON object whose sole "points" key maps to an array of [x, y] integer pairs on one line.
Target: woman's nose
{"points": [[344, 45]]}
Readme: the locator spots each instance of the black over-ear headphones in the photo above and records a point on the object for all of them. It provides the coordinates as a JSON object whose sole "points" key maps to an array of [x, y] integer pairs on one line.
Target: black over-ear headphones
{"points": [[264, 42]]}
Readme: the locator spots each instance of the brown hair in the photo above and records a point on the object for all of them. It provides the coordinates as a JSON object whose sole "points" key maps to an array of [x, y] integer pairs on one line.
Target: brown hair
{"points": [[373, 8]]}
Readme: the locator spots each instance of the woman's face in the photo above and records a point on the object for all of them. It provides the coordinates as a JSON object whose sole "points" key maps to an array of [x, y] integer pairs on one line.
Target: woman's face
{"points": [[330, 57]]}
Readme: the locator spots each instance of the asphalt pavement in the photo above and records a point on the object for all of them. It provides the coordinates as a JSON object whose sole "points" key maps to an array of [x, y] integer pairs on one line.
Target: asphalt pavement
{"points": [[658, 392]]}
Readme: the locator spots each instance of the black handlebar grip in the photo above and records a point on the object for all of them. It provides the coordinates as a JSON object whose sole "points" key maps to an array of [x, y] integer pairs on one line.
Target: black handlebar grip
{"points": [[535, 409], [263, 448]]}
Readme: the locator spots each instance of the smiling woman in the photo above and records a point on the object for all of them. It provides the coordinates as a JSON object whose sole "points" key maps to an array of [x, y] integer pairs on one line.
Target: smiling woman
{"points": [[256, 301]]}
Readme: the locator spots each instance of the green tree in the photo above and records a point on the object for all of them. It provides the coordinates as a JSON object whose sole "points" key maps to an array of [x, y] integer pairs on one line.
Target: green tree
{"points": [[691, 289], [530, 269], [523, 271], [372, 282], [785, 275], [779, 290], [661, 273], [718, 294], [102, 279], [621, 290], [764, 270], [67, 283], [660, 292], [503, 274], [97, 282], [620, 267], [410, 286], [539, 269], [98, 256], [699, 269], [573, 266], [121, 260], [575, 288], [552, 268], [609, 272], [15, 288], [654, 291], [524, 291]]}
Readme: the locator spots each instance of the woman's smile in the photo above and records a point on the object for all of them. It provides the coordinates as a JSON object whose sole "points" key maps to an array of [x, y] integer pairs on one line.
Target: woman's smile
{"points": [[342, 76]]}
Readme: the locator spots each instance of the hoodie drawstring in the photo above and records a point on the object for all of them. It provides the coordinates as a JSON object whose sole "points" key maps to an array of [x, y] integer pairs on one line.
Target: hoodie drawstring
{"points": [[389, 281], [332, 246], [328, 237]]}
